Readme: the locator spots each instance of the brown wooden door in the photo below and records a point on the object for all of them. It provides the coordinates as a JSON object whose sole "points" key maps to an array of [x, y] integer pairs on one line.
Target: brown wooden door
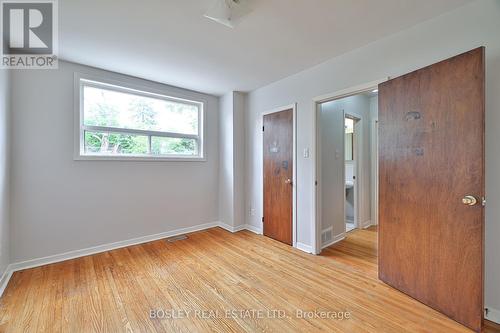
{"points": [[278, 175], [431, 155]]}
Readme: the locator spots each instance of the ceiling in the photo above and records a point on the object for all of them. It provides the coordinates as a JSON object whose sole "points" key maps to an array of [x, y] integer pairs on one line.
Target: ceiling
{"points": [[170, 41]]}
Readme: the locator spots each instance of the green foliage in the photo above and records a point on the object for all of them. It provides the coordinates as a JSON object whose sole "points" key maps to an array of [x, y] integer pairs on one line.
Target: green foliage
{"points": [[144, 115], [111, 143], [102, 114], [184, 146], [165, 146], [141, 115]]}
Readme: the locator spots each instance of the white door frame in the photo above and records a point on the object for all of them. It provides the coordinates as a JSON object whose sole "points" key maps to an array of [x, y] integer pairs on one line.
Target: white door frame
{"points": [[293, 107], [374, 170], [317, 101]]}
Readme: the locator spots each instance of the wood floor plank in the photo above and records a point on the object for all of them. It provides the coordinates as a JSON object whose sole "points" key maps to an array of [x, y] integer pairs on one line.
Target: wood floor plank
{"points": [[207, 275]]}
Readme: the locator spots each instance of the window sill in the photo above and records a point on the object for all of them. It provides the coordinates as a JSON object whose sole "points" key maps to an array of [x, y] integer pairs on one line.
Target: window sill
{"points": [[139, 158]]}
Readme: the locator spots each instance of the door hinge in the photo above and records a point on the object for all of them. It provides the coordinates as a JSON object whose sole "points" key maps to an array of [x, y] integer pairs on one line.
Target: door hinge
{"points": [[483, 201], [316, 183], [262, 219], [262, 128]]}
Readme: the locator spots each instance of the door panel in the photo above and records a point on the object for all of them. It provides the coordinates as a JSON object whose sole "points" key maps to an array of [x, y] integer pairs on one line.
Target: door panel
{"points": [[431, 155], [278, 175]]}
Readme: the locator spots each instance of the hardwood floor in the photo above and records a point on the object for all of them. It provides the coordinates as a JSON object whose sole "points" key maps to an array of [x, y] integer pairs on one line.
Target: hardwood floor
{"points": [[216, 271]]}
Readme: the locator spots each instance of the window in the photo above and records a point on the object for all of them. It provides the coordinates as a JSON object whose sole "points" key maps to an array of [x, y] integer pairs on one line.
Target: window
{"points": [[117, 122]]}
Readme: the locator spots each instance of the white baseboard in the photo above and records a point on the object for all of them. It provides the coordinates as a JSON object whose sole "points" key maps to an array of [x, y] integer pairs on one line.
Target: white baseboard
{"points": [[492, 315], [4, 281], [14, 267], [230, 228], [304, 247], [254, 229], [335, 239], [107, 247], [367, 224]]}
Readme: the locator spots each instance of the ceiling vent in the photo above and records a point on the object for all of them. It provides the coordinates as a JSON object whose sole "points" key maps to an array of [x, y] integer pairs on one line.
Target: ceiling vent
{"points": [[228, 12]]}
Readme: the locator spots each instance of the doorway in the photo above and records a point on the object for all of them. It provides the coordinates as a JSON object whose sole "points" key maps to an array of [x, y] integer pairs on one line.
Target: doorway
{"points": [[344, 169], [279, 175]]}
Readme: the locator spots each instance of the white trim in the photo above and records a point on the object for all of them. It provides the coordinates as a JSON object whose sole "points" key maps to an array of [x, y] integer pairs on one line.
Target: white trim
{"points": [[138, 158], [304, 247], [4, 281], [121, 86], [367, 224], [108, 247], [493, 315], [374, 171], [336, 239], [349, 91], [14, 267], [293, 107], [316, 225], [316, 104], [139, 132], [253, 229], [226, 226], [230, 228]]}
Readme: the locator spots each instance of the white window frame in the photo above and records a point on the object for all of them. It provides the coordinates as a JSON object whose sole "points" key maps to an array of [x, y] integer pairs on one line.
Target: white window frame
{"points": [[82, 80]]}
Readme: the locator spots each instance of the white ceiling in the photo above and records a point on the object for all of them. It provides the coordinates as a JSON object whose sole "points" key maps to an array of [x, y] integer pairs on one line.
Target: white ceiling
{"points": [[170, 41]]}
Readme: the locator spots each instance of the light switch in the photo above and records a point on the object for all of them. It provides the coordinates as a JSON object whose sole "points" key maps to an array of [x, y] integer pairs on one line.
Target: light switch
{"points": [[306, 153]]}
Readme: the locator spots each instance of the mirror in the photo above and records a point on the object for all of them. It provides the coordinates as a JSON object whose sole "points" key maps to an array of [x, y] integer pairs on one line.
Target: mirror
{"points": [[349, 139]]}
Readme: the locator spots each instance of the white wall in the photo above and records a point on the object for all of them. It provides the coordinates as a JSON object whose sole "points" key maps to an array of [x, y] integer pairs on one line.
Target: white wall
{"points": [[4, 170], [232, 159], [331, 121], [470, 26], [239, 158], [226, 159], [60, 205], [349, 170]]}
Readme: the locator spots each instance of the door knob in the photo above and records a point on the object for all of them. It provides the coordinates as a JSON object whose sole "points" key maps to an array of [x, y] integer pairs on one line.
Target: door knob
{"points": [[469, 200], [288, 181]]}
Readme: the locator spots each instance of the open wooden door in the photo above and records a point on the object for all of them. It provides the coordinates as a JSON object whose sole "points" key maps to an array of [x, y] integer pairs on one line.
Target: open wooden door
{"points": [[431, 183], [278, 176]]}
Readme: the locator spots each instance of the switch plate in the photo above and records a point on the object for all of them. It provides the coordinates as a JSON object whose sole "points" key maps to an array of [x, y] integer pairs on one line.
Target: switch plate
{"points": [[306, 153]]}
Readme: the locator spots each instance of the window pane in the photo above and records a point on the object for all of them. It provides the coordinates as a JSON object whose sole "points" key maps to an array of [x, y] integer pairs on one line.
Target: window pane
{"points": [[173, 146], [115, 144], [110, 108]]}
